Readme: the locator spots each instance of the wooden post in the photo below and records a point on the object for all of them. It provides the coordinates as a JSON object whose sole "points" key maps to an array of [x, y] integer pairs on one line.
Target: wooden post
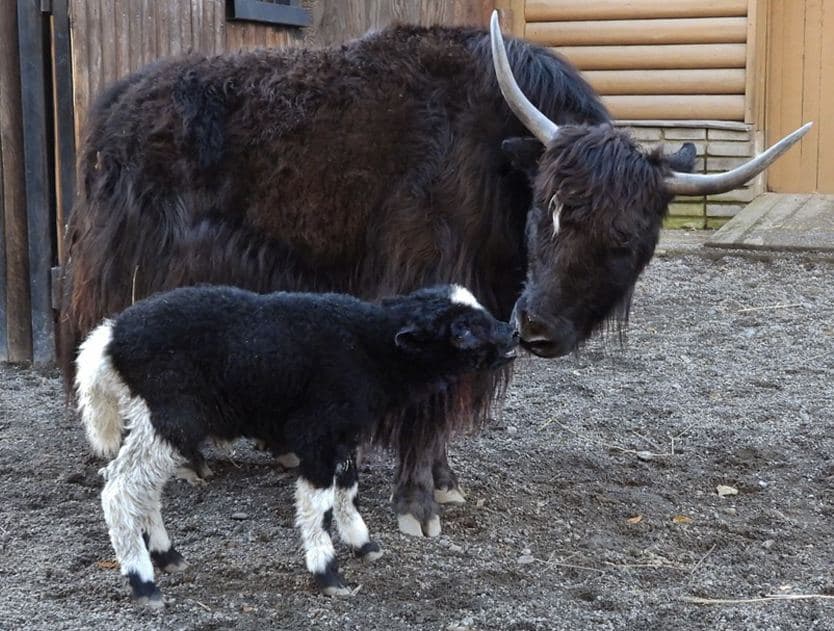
{"points": [[39, 214], [64, 119], [15, 326]]}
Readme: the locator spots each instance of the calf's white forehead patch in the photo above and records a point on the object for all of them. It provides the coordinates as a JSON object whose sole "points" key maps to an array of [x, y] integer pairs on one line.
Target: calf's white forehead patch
{"points": [[462, 296]]}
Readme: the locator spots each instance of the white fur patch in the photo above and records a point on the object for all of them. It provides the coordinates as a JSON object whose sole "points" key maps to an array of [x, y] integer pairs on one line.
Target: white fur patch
{"points": [[310, 506], [556, 212], [351, 526], [462, 296], [132, 496], [101, 392]]}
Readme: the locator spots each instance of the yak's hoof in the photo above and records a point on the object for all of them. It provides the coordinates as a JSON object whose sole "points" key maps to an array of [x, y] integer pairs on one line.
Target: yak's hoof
{"points": [[192, 477], [145, 592], [432, 526], [169, 561], [288, 460], [409, 525], [451, 495], [370, 551]]}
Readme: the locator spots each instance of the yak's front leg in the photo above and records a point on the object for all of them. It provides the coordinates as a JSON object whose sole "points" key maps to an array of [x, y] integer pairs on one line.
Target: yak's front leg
{"points": [[413, 498], [446, 486], [313, 513], [352, 528]]}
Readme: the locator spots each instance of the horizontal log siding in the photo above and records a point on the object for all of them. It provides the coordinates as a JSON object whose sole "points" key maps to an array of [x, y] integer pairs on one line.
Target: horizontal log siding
{"points": [[561, 10], [652, 59]]}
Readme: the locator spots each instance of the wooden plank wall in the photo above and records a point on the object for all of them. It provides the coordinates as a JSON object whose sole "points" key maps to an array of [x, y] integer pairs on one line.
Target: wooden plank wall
{"points": [[799, 80], [652, 59], [111, 38], [15, 324]]}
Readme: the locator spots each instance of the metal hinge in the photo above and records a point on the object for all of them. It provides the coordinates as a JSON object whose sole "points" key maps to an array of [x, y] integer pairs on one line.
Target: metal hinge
{"points": [[46, 6]]}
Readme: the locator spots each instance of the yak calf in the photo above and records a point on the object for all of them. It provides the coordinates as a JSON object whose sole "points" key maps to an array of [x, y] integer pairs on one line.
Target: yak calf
{"points": [[316, 372]]}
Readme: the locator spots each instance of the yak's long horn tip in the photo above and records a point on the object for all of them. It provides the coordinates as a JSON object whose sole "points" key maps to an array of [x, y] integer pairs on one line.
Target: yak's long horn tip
{"points": [[534, 120]]}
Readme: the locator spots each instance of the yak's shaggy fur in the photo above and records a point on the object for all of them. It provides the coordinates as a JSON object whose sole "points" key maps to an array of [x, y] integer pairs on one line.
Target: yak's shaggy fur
{"points": [[316, 372], [371, 168]]}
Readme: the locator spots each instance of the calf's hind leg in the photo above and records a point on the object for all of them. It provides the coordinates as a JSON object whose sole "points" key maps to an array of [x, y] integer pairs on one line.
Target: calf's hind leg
{"points": [[131, 502], [163, 554]]}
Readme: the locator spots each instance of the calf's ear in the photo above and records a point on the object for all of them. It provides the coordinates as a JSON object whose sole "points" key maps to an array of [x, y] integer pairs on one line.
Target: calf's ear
{"points": [[409, 338]]}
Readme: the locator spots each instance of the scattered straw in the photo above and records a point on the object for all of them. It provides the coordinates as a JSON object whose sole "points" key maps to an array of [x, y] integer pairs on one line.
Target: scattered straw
{"points": [[763, 599], [770, 307]]}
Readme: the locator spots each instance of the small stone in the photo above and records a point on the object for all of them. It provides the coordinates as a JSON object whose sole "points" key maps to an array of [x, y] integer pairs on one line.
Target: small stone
{"points": [[525, 559], [767, 545], [512, 429], [645, 455], [455, 548], [724, 490], [240, 516]]}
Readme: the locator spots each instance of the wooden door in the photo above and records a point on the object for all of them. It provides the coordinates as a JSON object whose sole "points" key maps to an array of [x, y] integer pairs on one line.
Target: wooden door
{"points": [[800, 88]]}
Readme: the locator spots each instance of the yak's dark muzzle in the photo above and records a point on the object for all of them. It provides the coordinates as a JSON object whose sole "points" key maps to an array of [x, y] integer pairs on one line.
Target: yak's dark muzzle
{"points": [[540, 336]]}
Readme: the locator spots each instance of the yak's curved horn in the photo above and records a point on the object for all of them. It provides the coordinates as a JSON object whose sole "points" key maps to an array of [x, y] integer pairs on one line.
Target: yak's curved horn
{"points": [[709, 184], [539, 125]]}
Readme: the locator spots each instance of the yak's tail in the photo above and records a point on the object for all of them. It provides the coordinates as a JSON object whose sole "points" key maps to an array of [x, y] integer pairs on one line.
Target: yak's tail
{"points": [[100, 391]]}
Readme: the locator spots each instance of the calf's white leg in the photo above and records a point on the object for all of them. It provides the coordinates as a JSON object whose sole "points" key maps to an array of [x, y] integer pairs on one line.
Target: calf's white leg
{"points": [[131, 501]]}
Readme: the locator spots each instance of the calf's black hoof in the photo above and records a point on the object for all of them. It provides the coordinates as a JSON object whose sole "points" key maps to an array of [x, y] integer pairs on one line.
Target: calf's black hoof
{"points": [[145, 592], [169, 561], [370, 551], [330, 582]]}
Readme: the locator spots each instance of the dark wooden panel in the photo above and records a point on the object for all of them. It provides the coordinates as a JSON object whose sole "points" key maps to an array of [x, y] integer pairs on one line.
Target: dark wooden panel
{"points": [[16, 322], [63, 118], [270, 13], [39, 213]]}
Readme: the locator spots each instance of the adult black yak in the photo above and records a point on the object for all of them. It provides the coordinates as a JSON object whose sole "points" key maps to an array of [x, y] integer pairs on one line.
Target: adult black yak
{"points": [[373, 168]]}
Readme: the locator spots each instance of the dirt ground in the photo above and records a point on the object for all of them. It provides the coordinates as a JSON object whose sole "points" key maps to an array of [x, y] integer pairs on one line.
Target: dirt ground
{"points": [[592, 503]]}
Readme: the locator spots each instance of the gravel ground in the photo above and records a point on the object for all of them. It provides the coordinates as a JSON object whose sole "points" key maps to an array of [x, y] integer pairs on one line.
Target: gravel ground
{"points": [[592, 500]]}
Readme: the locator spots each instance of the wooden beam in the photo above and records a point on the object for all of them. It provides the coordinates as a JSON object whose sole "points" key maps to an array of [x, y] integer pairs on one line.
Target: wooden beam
{"points": [[756, 63], [682, 31], [728, 107], [64, 117], [16, 319], [655, 57], [39, 215], [557, 10], [715, 81]]}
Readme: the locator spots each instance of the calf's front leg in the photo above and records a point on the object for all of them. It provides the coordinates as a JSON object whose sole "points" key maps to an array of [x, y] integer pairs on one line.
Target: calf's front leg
{"points": [[351, 526], [313, 512]]}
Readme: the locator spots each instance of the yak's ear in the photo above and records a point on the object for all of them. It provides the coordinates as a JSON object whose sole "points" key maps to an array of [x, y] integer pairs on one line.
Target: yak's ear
{"points": [[683, 159], [524, 154], [409, 338]]}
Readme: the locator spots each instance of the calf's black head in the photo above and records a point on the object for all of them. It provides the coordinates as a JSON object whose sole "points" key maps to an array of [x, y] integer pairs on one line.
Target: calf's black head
{"points": [[598, 204], [447, 331]]}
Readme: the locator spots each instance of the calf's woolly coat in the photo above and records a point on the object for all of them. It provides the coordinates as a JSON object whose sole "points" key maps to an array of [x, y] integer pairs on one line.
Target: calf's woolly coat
{"points": [[317, 372]]}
